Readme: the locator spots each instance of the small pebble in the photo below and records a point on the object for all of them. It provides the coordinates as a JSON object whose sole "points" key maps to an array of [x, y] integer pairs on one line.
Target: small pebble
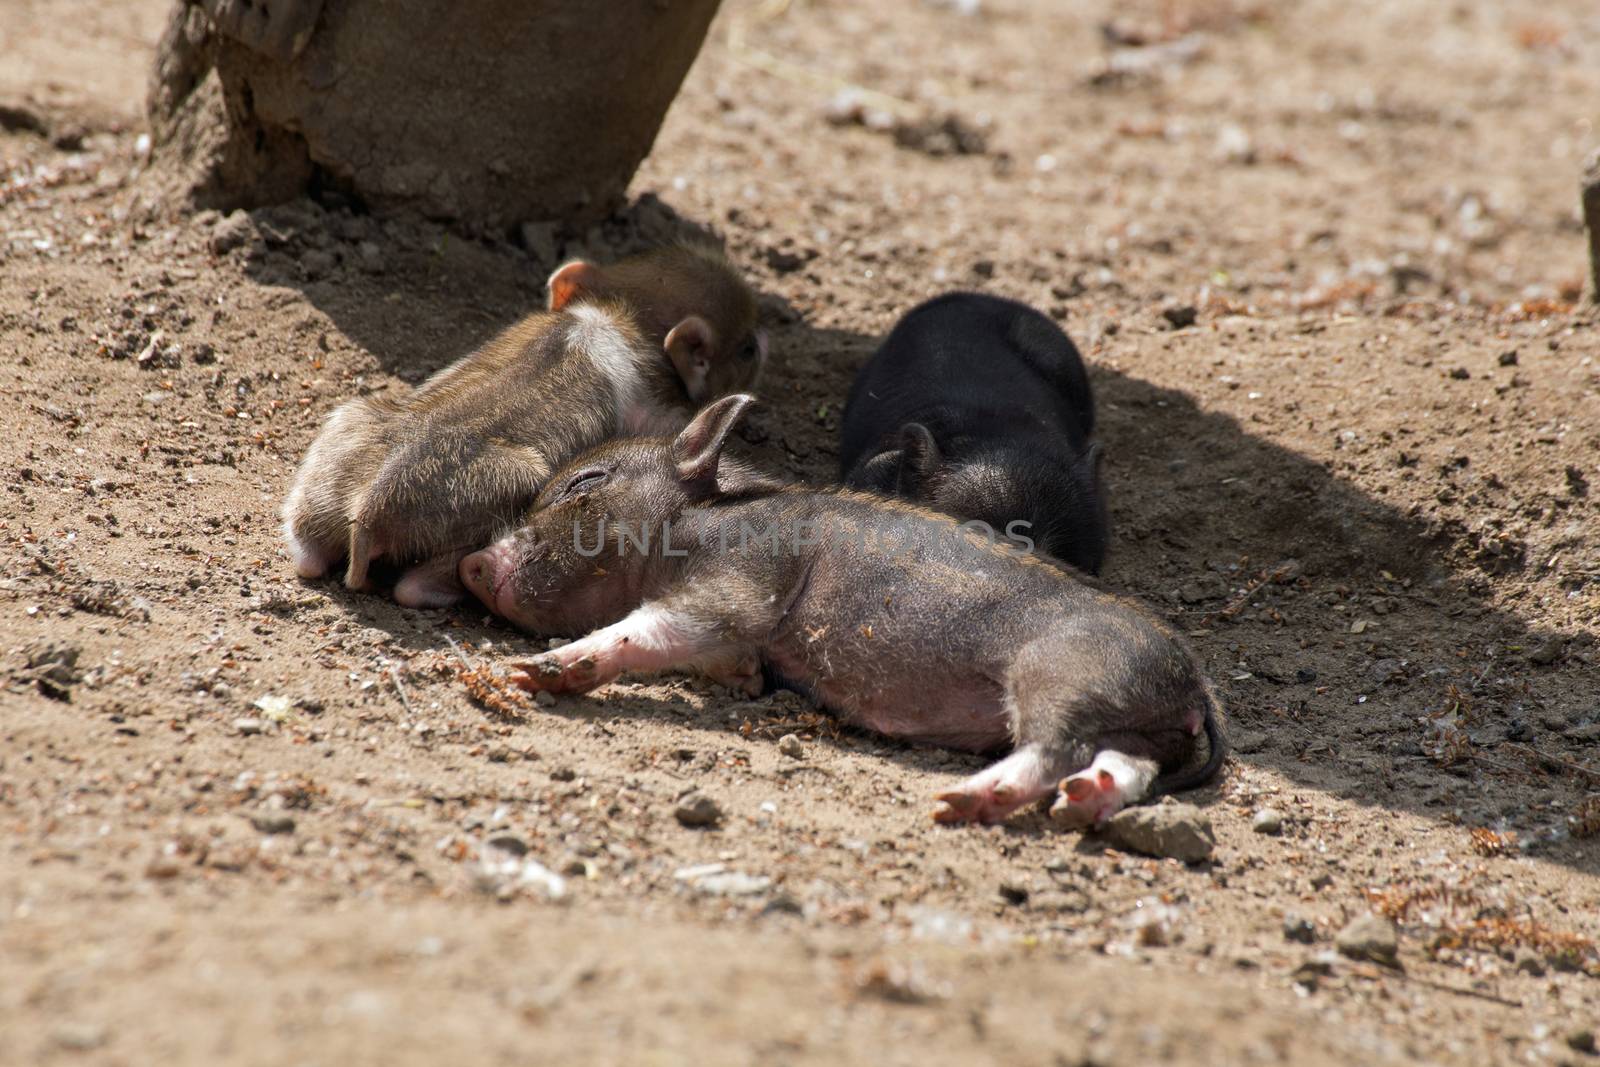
{"points": [[1298, 929], [272, 822], [370, 257], [697, 809], [1267, 821], [511, 843], [318, 262], [232, 232], [1012, 893], [1371, 937], [1581, 1040], [79, 1037], [161, 868], [1547, 651], [247, 727], [790, 746], [544, 699], [1180, 316]]}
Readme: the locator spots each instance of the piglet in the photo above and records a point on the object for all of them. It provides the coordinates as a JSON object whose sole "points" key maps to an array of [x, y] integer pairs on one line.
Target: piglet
{"points": [[421, 480], [897, 618], [980, 407]]}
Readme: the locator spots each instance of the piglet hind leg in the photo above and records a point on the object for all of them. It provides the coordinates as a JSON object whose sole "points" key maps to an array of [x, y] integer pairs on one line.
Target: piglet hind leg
{"points": [[653, 637], [1110, 783], [1028, 774]]}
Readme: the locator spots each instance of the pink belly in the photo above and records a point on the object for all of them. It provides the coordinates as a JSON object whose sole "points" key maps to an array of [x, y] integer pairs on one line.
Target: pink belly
{"points": [[956, 712]]}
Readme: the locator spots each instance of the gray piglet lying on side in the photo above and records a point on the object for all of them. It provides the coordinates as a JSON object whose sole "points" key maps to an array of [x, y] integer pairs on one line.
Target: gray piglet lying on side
{"points": [[633, 347], [893, 616], [980, 407]]}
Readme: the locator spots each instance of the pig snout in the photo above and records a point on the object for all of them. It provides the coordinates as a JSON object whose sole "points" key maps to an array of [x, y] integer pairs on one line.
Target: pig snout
{"points": [[487, 574]]}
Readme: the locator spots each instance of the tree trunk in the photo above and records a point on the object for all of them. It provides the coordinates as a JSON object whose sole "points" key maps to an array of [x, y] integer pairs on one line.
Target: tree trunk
{"points": [[489, 112]]}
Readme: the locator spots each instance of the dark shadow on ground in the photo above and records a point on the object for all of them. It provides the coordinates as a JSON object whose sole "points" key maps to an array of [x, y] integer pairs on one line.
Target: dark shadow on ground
{"points": [[1200, 509]]}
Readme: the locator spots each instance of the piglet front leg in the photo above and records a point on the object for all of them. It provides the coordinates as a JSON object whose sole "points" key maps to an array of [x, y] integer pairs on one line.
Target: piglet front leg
{"points": [[654, 637]]}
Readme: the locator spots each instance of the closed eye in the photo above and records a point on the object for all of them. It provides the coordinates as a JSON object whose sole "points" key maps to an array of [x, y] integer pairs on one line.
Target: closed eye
{"points": [[584, 481]]}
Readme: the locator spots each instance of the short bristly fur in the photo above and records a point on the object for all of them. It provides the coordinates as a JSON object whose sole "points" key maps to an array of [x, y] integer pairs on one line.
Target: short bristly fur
{"points": [[889, 613], [980, 407], [420, 481]]}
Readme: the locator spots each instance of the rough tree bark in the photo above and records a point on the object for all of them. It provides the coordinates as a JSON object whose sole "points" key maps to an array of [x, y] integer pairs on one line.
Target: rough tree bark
{"points": [[490, 112]]}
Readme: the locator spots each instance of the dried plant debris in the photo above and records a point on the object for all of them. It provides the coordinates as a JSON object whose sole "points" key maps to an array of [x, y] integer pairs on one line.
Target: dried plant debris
{"points": [[493, 692], [806, 724], [1444, 737], [1487, 842], [1441, 910], [1585, 820]]}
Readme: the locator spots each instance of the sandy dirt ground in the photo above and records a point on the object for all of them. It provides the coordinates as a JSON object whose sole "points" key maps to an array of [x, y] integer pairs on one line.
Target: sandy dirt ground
{"points": [[250, 820]]}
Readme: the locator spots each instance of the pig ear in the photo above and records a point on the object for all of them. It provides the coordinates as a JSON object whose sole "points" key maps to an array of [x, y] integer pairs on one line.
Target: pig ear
{"points": [[1093, 460], [919, 459], [572, 280], [698, 449], [690, 344]]}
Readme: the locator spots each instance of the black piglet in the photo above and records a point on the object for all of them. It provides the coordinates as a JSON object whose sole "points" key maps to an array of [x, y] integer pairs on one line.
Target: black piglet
{"points": [[980, 407]]}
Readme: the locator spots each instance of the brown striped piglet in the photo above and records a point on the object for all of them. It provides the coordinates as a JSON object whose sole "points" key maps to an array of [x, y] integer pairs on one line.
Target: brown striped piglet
{"points": [[419, 482]]}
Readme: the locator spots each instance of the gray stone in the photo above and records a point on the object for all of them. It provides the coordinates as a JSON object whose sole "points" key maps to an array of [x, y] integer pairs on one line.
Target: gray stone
{"points": [[54, 666], [1371, 937], [317, 263], [509, 843], [790, 746], [272, 822], [1384, 670], [696, 809], [715, 879], [231, 232], [1059, 902], [1180, 316], [370, 258], [1176, 831], [79, 1037], [1267, 821], [1547, 651]]}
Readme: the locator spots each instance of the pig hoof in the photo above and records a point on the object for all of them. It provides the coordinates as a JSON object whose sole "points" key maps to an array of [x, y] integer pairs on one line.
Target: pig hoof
{"points": [[1087, 799], [955, 807], [545, 673], [551, 675], [982, 806]]}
